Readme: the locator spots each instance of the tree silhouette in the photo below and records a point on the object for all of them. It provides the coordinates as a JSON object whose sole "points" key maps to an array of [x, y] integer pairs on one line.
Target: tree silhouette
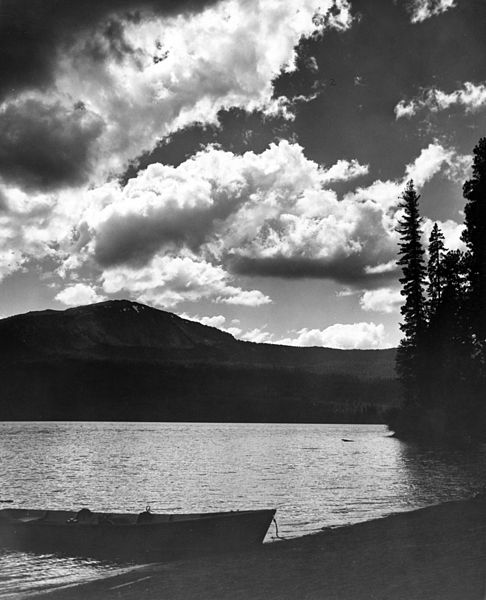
{"points": [[441, 360], [474, 236], [447, 347], [411, 259], [437, 280]]}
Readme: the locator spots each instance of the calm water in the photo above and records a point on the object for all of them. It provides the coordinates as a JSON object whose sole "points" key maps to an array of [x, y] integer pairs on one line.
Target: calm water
{"points": [[307, 472]]}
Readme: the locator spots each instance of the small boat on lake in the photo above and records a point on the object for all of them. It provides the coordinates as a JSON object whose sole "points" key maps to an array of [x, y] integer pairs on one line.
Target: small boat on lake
{"points": [[143, 537]]}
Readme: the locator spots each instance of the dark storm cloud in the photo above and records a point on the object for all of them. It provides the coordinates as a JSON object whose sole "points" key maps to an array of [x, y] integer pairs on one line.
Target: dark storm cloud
{"points": [[365, 71], [345, 269], [33, 31], [45, 146]]}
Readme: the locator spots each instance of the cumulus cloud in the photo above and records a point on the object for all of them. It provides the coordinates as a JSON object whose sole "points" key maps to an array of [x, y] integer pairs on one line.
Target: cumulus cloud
{"points": [[386, 300], [471, 97], [430, 161], [424, 9], [348, 336], [79, 294], [265, 213], [86, 89], [166, 281], [270, 207], [341, 336], [258, 335], [405, 109], [218, 321], [171, 232], [137, 78], [345, 170]]}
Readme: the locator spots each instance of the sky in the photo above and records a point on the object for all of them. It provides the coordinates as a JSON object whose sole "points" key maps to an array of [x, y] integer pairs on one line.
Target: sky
{"points": [[236, 162]]}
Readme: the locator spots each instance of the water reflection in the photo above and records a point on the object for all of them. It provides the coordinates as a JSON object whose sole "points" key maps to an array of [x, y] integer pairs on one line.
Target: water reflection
{"points": [[22, 571], [436, 473]]}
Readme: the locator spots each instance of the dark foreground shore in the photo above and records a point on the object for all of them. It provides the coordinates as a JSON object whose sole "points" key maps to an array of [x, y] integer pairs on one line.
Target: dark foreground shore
{"points": [[434, 553]]}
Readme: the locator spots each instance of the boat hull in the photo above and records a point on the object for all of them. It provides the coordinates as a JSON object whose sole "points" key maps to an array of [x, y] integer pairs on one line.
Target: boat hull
{"points": [[167, 537]]}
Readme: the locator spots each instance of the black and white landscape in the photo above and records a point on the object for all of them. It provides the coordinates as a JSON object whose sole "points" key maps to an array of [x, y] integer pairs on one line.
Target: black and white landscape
{"points": [[124, 361], [243, 270]]}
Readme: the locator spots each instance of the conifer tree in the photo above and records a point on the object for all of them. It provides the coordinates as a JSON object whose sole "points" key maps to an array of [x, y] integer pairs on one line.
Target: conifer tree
{"points": [[435, 269], [411, 259], [474, 236], [449, 352]]}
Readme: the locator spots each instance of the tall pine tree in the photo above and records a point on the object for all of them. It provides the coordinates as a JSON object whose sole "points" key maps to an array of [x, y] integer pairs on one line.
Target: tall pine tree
{"points": [[411, 259], [448, 353], [475, 238], [435, 269], [475, 308], [435, 339]]}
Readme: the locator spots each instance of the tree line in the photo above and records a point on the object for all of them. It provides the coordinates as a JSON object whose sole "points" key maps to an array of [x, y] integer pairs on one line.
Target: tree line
{"points": [[441, 359]]}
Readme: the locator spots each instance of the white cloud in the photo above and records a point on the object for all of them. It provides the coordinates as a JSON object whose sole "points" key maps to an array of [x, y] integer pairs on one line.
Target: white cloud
{"points": [[217, 321], [165, 281], [216, 210], [385, 300], [344, 170], [472, 97], [229, 208], [79, 294], [429, 163], [341, 336], [183, 233], [234, 295], [387, 267], [452, 233], [258, 336], [405, 109], [424, 9]]}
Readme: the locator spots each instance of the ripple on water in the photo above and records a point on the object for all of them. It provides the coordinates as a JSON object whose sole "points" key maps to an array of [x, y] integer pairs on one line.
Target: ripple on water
{"points": [[306, 471]]}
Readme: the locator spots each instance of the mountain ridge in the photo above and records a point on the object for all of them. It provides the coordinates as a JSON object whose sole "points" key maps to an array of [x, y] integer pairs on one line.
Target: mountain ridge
{"points": [[111, 330], [122, 360]]}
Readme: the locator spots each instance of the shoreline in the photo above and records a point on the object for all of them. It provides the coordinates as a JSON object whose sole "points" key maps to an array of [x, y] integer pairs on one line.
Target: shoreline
{"points": [[438, 552]]}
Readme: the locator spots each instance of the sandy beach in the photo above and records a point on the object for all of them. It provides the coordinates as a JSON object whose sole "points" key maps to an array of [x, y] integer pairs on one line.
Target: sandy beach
{"points": [[433, 553]]}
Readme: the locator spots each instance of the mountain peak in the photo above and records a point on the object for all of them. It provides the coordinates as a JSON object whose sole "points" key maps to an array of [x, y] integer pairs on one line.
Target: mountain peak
{"points": [[122, 305], [114, 328]]}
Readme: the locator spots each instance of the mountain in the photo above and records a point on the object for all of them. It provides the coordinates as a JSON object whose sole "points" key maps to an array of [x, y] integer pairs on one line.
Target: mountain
{"points": [[122, 360], [113, 329]]}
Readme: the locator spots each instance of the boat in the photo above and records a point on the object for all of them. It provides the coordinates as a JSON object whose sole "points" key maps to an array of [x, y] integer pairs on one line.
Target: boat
{"points": [[132, 537]]}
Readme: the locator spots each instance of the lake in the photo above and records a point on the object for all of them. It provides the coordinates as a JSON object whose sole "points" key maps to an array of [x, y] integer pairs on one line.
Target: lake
{"points": [[313, 477]]}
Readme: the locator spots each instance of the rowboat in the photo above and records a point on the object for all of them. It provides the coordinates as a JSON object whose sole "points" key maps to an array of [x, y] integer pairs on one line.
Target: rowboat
{"points": [[142, 537]]}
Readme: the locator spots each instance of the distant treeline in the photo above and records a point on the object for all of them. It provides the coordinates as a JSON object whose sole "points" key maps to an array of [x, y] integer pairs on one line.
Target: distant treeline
{"points": [[441, 361], [130, 391]]}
